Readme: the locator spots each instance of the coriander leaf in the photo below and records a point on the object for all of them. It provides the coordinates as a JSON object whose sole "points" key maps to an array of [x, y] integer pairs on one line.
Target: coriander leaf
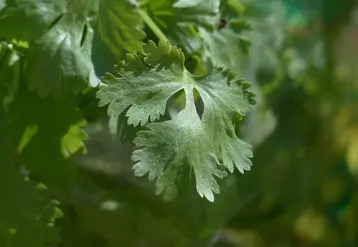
{"points": [[180, 19], [208, 144], [216, 44], [119, 26], [141, 87], [170, 145], [60, 61], [29, 19], [59, 56], [230, 32]]}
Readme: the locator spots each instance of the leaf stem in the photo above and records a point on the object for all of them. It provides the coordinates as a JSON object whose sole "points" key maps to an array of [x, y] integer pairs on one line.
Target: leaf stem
{"points": [[151, 24]]}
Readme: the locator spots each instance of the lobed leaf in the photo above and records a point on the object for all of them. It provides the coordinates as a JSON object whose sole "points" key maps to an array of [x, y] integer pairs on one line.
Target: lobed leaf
{"points": [[208, 143]]}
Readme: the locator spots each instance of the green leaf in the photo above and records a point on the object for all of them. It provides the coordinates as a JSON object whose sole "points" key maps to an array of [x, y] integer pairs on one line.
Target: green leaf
{"points": [[119, 26], [22, 210], [179, 20], [217, 42], [72, 141], [208, 143], [230, 32], [59, 57], [231, 9], [58, 135], [29, 132], [60, 61], [29, 19]]}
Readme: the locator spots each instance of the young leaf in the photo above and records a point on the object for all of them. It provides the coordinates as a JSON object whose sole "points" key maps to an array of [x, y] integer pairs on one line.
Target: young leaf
{"points": [[208, 144], [216, 44], [229, 33], [179, 19], [119, 26]]}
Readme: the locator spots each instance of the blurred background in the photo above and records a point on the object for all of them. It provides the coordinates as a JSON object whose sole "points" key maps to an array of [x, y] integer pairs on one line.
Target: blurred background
{"points": [[302, 189]]}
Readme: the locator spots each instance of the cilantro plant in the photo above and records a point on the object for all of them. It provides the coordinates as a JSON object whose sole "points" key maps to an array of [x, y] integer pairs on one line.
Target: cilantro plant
{"points": [[165, 56]]}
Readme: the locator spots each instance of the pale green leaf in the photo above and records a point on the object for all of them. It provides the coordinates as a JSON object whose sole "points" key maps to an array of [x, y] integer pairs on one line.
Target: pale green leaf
{"points": [[187, 3], [208, 144], [218, 41], [230, 32]]}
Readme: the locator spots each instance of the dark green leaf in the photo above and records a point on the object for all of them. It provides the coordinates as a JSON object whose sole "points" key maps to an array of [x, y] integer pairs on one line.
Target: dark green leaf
{"points": [[23, 212], [119, 26], [58, 135], [60, 61], [29, 19]]}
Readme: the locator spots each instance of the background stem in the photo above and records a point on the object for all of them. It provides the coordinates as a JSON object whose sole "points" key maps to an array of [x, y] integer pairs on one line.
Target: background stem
{"points": [[151, 24]]}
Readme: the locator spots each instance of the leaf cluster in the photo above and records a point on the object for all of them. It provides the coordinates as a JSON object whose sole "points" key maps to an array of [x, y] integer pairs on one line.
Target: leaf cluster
{"points": [[180, 121]]}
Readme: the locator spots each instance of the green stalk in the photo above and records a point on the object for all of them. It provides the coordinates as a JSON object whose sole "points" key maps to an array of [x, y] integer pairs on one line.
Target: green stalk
{"points": [[151, 24]]}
